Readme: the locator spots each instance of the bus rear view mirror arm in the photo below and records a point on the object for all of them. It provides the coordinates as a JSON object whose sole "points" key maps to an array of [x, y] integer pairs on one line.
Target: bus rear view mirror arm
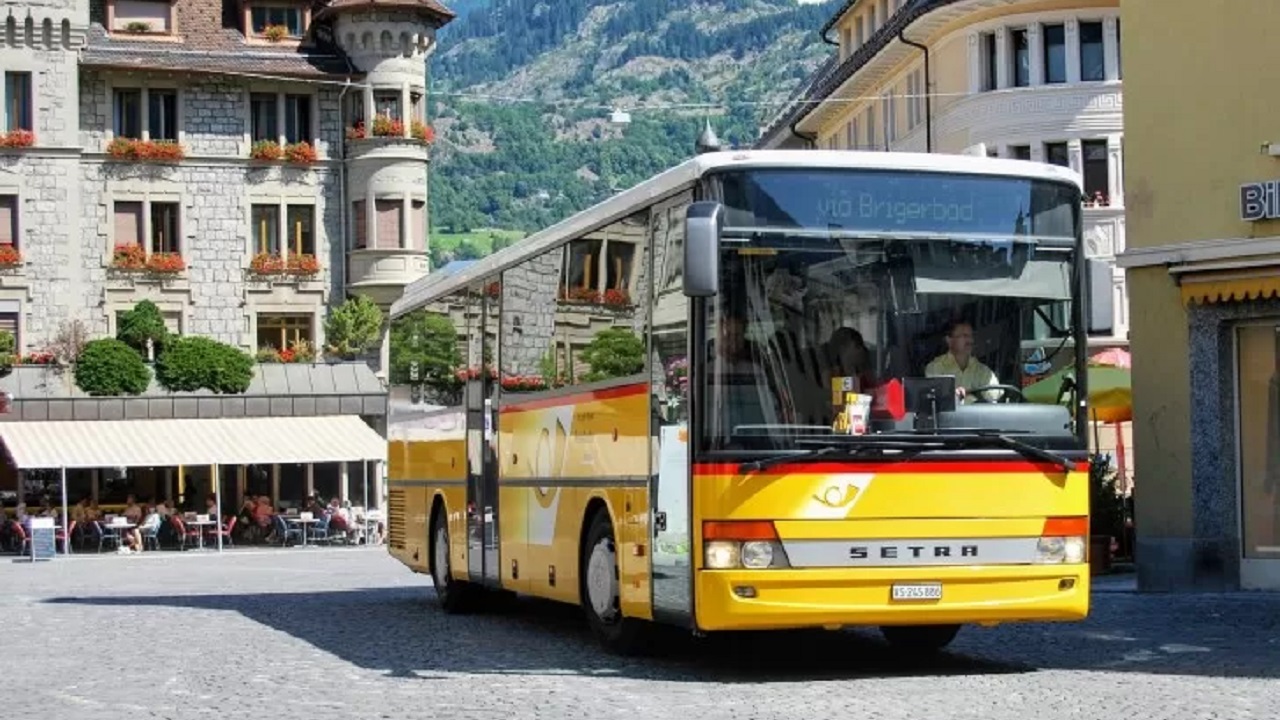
{"points": [[703, 224]]}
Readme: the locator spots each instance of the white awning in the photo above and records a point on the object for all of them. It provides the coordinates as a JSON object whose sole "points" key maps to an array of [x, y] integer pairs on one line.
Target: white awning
{"points": [[211, 441]]}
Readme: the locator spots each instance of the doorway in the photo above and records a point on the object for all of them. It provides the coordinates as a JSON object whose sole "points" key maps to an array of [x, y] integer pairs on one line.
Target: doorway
{"points": [[1258, 436]]}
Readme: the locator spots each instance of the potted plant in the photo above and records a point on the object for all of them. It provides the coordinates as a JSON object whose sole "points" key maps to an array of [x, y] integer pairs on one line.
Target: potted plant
{"points": [[1106, 512]]}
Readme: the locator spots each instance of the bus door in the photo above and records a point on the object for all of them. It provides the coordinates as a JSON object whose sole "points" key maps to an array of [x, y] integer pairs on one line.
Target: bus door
{"points": [[482, 465]]}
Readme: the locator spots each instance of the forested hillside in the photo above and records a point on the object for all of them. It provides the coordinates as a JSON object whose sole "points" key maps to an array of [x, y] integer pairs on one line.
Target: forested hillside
{"points": [[522, 164]]}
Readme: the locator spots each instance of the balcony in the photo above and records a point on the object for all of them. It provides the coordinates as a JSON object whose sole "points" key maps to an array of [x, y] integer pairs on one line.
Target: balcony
{"points": [[382, 274]]}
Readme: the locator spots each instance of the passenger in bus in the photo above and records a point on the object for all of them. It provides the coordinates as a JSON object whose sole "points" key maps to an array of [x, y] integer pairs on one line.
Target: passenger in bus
{"points": [[847, 355], [729, 352], [970, 373]]}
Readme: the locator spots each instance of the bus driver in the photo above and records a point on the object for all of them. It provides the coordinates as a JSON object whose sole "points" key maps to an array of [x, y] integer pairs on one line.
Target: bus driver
{"points": [[959, 362]]}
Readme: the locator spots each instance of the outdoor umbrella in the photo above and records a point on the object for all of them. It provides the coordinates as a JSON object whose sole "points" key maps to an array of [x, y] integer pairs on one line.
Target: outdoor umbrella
{"points": [[1110, 388]]}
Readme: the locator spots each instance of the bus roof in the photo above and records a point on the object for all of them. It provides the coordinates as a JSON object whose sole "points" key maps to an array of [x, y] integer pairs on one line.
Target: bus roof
{"points": [[673, 180]]}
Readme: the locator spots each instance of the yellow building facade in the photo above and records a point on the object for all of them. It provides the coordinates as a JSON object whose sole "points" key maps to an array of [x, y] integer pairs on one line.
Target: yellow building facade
{"points": [[1204, 276], [1021, 79]]}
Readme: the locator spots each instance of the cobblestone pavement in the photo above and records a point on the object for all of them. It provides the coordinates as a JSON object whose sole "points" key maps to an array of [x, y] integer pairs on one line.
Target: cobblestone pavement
{"points": [[320, 633]]}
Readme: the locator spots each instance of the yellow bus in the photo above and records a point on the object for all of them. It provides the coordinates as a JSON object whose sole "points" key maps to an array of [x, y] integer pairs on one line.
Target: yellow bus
{"points": [[761, 390]]}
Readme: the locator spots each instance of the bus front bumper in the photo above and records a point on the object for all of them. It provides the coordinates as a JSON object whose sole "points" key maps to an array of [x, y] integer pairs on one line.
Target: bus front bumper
{"points": [[782, 599]]}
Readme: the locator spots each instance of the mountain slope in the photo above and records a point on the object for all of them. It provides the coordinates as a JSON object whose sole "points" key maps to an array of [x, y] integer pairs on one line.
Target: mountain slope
{"points": [[524, 163]]}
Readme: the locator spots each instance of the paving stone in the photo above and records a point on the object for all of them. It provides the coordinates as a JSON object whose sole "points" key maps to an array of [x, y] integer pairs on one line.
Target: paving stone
{"points": [[349, 632]]}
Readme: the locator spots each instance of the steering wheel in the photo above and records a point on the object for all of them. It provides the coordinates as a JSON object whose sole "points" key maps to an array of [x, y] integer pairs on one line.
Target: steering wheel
{"points": [[1005, 391]]}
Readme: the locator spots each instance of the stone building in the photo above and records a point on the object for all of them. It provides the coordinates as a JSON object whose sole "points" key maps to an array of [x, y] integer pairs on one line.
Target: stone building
{"points": [[244, 164]]}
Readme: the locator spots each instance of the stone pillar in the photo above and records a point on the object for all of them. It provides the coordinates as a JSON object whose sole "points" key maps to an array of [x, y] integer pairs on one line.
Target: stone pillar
{"points": [[1035, 48], [406, 222], [975, 63], [370, 217], [406, 114], [1072, 38], [1115, 169], [1111, 48], [1004, 59], [1075, 155], [368, 110]]}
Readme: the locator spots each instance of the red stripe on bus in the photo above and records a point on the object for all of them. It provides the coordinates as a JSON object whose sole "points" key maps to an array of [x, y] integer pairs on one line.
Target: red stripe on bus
{"points": [[915, 466], [609, 393]]}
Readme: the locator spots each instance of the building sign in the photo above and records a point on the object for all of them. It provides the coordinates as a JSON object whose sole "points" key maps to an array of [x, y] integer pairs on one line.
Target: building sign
{"points": [[1260, 201]]}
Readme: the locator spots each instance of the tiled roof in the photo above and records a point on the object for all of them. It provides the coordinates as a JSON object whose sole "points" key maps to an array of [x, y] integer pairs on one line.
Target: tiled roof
{"points": [[212, 40], [430, 6], [822, 87], [102, 50]]}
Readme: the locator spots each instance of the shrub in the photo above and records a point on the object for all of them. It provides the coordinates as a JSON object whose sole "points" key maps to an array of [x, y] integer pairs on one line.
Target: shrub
{"points": [[110, 367], [191, 363], [616, 352]]}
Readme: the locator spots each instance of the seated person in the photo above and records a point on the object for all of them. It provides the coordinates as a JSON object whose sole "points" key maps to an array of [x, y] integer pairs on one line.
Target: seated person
{"points": [[846, 355], [959, 363]]}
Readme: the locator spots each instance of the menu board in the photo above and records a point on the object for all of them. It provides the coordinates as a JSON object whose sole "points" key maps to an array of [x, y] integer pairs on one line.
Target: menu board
{"points": [[43, 540]]}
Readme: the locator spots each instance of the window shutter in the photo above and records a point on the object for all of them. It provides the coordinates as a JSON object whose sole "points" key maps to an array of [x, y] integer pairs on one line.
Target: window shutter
{"points": [[128, 223], [8, 218], [389, 220]]}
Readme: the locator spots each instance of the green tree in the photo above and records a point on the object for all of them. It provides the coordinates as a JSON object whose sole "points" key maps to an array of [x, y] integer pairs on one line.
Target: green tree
{"points": [[194, 363], [353, 327], [110, 367], [429, 340], [142, 323]]}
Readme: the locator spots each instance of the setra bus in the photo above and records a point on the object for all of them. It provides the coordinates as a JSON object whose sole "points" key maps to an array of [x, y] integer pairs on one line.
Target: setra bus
{"points": [[760, 390]]}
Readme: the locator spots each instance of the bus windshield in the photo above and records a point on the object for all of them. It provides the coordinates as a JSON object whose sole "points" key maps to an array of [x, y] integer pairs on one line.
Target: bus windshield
{"points": [[872, 282]]}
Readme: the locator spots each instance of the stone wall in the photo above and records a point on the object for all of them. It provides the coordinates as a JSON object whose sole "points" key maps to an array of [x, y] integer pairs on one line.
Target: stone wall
{"points": [[44, 179], [215, 186], [529, 295]]}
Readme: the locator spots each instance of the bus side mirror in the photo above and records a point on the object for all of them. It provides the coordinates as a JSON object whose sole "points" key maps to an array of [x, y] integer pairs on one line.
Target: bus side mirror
{"points": [[1101, 298], [703, 223]]}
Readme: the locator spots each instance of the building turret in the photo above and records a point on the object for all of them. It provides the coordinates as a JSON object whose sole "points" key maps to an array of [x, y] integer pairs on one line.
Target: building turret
{"points": [[388, 139]]}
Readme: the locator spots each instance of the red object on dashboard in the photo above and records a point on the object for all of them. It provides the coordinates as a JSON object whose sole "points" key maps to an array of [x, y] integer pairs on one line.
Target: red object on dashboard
{"points": [[889, 400]]}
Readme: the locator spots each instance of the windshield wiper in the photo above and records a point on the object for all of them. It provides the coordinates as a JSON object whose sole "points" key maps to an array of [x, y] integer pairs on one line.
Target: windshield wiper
{"points": [[848, 450], [1015, 444]]}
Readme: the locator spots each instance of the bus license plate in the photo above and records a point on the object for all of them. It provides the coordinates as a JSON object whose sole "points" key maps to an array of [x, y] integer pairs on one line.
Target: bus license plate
{"points": [[917, 591]]}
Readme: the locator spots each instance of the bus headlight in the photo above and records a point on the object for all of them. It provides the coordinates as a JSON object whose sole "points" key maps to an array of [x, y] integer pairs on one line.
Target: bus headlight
{"points": [[1059, 550], [757, 554], [723, 554], [739, 544], [750, 555]]}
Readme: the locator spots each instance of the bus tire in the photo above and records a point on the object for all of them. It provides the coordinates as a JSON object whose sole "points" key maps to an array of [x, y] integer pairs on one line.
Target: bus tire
{"points": [[601, 600], [919, 639], [455, 596]]}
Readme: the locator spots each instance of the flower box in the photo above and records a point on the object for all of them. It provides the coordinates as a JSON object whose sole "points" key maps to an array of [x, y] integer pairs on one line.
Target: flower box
{"points": [[134, 259], [266, 150], [129, 257], [17, 139], [421, 131], [10, 256], [303, 264], [300, 153], [275, 33], [166, 263], [386, 127], [268, 264], [145, 150]]}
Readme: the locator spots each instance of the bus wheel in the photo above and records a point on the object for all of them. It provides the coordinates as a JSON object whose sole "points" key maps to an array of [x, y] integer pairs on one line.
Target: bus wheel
{"points": [[600, 595], [454, 596], [919, 639]]}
